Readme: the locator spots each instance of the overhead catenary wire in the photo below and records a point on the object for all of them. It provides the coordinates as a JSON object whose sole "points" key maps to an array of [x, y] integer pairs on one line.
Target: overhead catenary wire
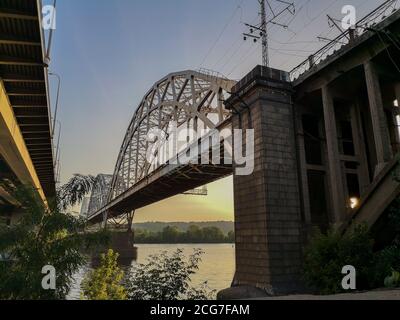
{"points": [[251, 52], [286, 47], [308, 24], [221, 33], [243, 57], [233, 52], [263, 28], [230, 50], [364, 3]]}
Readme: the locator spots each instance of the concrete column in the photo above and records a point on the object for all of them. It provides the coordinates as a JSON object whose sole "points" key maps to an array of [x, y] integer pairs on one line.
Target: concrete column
{"points": [[379, 122], [359, 144], [335, 172], [267, 202], [303, 167]]}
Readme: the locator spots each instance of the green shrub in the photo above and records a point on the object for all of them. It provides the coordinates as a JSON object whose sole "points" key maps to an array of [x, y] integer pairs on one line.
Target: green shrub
{"points": [[328, 254], [43, 236], [386, 261], [104, 283], [393, 281], [167, 277]]}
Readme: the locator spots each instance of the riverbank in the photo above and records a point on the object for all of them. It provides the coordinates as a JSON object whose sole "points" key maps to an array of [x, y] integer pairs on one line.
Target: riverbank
{"points": [[216, 268]]}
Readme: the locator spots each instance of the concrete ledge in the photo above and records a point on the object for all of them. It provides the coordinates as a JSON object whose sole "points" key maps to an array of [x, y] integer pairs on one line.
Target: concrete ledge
{"points": [[241, 292], [380, 294], [252, 293]]}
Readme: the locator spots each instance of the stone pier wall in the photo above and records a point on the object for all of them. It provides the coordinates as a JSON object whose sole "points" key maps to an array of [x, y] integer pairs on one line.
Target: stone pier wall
{"points": [[267, 203]]}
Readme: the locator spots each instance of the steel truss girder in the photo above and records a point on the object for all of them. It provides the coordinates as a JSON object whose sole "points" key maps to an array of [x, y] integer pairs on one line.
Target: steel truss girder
{"points": [[100, 191], [189, 98]]}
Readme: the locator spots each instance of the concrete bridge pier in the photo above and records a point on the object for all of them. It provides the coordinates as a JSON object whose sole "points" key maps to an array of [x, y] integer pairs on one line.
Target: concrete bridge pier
{"points": [[122, 243], [268, 220], [122, 240]]}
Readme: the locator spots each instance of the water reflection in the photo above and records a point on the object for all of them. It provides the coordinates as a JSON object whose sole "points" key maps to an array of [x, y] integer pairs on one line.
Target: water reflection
{"points": [[217, 266]]}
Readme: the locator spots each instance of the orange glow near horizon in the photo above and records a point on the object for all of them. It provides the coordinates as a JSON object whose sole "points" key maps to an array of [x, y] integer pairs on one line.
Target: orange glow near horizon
{"points": [[217, 206]]}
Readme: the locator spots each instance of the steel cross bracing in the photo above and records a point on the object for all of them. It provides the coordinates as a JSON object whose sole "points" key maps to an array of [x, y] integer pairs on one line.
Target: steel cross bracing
{"points": [[189, 98], [100, 191]]}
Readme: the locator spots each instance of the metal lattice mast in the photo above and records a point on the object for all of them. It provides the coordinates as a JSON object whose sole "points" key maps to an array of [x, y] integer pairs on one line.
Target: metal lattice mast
{"points": [[262, 28], [265, 57]]}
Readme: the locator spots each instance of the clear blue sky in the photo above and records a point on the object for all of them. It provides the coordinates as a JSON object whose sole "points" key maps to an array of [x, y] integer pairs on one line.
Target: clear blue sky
{"points": [[109, 53]]}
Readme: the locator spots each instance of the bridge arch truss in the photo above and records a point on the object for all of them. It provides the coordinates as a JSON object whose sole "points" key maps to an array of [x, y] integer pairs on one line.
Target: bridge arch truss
{"points": [[189, 98]]}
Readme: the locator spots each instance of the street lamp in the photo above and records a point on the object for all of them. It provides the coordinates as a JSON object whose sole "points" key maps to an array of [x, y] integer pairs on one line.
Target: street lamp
{"points": [[58, 154], [57, 99]]}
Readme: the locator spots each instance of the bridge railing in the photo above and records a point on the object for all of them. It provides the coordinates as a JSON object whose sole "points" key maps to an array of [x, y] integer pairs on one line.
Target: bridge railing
{"points": [[379, 14]]}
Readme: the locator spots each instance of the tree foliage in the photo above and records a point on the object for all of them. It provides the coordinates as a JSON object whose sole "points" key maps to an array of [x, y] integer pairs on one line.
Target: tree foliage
{"points": [[194, 234], [167, 277], [328, 253], [43, 236], [74, 191], [104, 283]]}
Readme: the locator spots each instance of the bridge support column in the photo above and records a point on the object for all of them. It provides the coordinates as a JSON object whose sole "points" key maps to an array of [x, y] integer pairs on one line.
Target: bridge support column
{"points": [[379, 122], [335, 172], [267, 203]]}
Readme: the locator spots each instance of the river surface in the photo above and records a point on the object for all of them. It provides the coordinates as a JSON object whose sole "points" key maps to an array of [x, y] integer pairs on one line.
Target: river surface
{"points": [[217, 266]]}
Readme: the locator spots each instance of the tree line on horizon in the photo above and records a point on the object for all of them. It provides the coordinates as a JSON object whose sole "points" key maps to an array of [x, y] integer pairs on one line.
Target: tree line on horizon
{"points": [[194, 234]]}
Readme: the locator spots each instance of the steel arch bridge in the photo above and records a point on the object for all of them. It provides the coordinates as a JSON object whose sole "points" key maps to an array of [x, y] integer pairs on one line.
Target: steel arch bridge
{"points": [[191, 99]]}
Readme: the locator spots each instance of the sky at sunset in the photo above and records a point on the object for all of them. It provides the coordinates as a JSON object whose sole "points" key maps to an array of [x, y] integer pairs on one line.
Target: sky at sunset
{"points": [[109, 53]]}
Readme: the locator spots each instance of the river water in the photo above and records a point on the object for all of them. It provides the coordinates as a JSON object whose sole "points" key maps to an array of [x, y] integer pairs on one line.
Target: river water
{"points": [[217, 266]]}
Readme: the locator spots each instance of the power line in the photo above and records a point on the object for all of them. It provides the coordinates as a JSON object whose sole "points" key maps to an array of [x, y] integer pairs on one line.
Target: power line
{"points": [[234, 52], [221, 33], [251, 51], [262, 28], [243, 57], [308, 24], [294, 42], [231, 56], [229, 50]]}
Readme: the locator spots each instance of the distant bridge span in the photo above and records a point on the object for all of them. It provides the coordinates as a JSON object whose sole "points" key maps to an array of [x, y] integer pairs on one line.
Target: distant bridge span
{"points": [[191, 99]]}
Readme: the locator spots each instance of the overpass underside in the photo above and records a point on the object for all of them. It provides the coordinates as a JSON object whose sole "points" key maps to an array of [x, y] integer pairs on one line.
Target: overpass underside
{"points": [[165, 182], [26, 152]]}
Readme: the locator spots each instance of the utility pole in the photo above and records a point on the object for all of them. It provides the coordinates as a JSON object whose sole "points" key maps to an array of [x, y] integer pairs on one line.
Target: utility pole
{"points": [[263, 27], [265, 57]]}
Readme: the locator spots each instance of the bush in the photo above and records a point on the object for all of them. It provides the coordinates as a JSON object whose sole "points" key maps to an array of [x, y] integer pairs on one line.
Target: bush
{"points": [[386, 261], [167, 277], [43, 236], [393, 281], [104, 283], [328, 254]]}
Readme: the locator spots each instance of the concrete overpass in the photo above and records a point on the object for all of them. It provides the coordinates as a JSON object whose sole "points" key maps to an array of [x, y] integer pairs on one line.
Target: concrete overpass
{"points": [[26, 150]]}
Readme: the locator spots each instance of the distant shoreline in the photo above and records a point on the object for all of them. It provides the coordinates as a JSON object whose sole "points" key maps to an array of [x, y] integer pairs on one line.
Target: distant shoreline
{"points": [[232, 243], [181, 233]]}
